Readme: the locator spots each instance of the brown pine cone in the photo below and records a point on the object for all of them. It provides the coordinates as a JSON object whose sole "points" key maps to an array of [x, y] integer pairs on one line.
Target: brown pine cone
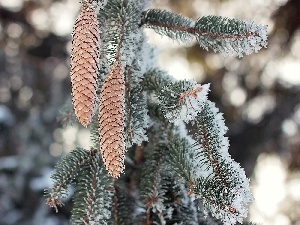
{"points": [[85, 56], [111, 121]]}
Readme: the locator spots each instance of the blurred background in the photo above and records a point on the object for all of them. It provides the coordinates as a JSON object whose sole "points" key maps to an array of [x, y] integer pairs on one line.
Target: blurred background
{"points": [[258, 94]]}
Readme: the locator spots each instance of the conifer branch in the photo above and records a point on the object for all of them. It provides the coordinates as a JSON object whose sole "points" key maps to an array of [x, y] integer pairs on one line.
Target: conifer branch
{"points": [[213, 160], [129, 107], [226, 35], [186, 209], [137, 119], [173, 168], [66, 118], [179, 100], [166, 23], [115, 208], [67, 115], [65, 172], [152, 189], [125, 207], [179, 160], [192, 92], [151, 22], [155, 79], [182, 100], [94, 132], [92, 200], [220, 183], [220, 34], [226, 175]]}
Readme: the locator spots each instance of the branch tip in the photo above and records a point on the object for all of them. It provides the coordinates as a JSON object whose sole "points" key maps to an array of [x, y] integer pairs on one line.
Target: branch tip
{"points": [[53, 203]]}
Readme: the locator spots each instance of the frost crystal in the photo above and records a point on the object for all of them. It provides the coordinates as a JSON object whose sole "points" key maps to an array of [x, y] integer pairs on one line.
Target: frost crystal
{"points": [[158, 206], [189, 104]]}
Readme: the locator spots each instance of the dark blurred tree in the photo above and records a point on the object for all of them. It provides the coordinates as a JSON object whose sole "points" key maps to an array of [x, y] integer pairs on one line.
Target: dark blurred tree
{"points": [[31, 94]]}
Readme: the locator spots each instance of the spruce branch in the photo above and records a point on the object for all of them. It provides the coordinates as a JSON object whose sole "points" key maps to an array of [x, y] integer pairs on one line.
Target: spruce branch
{"points": [[182, 100], [131, 48], [153, 189], [179, 100], [115, 209], [226, 35], [93, 195], [139, 103], [67, 115], [65, 173], [125, 208], [167, 23], [137, 119], [94, 132], [179, 160], [185, 211], [220, 34], [150, 187], [112, 28], [231, 194], [155, 79], [66, 118], [129, 111], [208, 169], [119, 23]]}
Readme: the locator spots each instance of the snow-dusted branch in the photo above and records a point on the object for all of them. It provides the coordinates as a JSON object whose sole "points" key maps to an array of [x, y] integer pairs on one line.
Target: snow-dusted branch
{"points": [[220, 34]]}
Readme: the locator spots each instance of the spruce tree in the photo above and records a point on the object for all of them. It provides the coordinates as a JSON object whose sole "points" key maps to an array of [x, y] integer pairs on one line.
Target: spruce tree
{"points": [[144, 166]]}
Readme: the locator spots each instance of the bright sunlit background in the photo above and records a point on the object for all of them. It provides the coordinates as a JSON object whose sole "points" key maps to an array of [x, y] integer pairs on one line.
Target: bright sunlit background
{"points": [[258, 94]]}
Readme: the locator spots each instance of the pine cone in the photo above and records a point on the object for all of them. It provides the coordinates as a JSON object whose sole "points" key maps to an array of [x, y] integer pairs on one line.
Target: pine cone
{"points": [[85, 58], [111, 121]]}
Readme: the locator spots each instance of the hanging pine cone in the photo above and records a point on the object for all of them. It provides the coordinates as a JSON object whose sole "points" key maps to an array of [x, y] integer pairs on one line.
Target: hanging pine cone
{"points": [[85, 58], [111, 121]]}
